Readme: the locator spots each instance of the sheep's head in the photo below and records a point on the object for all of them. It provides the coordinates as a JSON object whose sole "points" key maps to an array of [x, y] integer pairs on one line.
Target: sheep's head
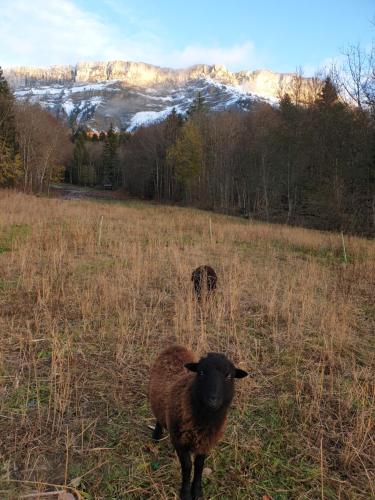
{"points": [[214, 383]]}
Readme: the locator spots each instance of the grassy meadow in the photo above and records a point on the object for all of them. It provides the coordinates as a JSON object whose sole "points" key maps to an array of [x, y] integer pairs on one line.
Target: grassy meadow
{"points": [[91, 291]]}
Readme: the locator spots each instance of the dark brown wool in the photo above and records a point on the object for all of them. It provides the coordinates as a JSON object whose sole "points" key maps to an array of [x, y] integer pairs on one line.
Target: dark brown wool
{"points": [[170, 398], [190, 399], [204, 279]]}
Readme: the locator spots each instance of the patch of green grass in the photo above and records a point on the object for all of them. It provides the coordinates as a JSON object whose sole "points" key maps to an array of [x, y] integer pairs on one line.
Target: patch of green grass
{"points": [[6, 285], [187, 239], [15, 233], [132, 203], [44, 354], [324, 254], [369, 310], [128, 473], [245, 246], [271, 459], [113, 432], [93, 266], [128, 466], [26, 398]]}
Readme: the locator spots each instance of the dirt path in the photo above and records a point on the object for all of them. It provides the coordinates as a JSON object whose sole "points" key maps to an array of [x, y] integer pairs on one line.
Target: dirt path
{"points": [[71, 192]]}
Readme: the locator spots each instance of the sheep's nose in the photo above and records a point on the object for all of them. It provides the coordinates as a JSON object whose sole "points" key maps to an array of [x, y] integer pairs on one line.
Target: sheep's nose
{"points": [[214, 402]]}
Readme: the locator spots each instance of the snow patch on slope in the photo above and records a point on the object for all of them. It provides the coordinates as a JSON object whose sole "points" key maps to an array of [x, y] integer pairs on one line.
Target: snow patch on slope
{"points": [[239, 92], [131, 107], [93, 86], [156, 98], [144, 118], [56, 90], [39, 91], [68, 106], [87, 106]]}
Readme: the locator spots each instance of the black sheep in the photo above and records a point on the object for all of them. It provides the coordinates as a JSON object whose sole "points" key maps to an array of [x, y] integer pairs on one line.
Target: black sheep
{"points": [[204, 279], [190, 399]]}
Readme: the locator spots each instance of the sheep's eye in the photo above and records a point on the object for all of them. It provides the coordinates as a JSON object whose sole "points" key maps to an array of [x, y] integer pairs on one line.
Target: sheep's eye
{"points": [[229, 376], [201, 373]]}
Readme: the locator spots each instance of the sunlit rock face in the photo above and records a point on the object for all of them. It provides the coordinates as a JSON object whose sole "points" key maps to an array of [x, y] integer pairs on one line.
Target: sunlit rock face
{"points": [[273, 85], [131, 94], [26, 75], [141, 74]]}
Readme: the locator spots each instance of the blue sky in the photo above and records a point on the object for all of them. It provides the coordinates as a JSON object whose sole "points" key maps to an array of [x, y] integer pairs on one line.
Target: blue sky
{"points": [[241, 34]]}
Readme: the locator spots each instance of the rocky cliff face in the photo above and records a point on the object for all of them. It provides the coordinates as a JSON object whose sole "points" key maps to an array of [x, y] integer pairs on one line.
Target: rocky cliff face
{"points": [[27, 75], [98, 92], [263, 82]]}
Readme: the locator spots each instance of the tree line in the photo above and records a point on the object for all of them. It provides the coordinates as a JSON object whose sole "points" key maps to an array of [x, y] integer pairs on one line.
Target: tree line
{"points": [[34, 145], [309, 164], [301, 162]]}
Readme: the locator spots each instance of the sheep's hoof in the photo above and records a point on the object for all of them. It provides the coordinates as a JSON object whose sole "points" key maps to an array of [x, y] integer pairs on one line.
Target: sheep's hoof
{"points": [[185, 495], [157, 432], [196, 494]]}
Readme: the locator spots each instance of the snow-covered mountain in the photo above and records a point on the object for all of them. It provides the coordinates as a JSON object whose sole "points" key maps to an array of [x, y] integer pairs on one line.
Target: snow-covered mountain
{"points": [[130, 94]]}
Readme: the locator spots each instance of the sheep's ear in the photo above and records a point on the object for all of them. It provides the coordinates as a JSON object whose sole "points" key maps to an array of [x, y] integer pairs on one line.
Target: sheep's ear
{"points": [[193, 367], [240, 373]]}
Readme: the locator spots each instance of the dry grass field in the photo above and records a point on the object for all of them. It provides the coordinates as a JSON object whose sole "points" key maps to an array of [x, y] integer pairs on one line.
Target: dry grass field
{"points": [[90, 292]]}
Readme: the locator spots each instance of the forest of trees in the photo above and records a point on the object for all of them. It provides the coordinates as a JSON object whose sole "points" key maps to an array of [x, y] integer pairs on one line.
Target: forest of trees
{"points": [[307, 163], [34, 145], [299, 163]]}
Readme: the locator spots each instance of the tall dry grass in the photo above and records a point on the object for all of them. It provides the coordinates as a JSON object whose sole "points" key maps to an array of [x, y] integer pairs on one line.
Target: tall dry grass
{"points": [[91, 292]]}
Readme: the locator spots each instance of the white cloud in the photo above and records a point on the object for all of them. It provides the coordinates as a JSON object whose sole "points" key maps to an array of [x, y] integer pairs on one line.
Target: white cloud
{"points": [[46, 32], [236, 57], [324, 67]]}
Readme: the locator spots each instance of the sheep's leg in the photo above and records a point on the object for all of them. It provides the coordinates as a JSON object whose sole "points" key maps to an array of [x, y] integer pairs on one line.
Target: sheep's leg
{"points": [[157, 432], [185, 461], [196, 487]]}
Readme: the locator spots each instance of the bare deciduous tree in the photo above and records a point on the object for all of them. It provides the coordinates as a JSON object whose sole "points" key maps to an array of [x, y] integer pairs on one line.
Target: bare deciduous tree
{"points": [[358, 75], [44, 146]]}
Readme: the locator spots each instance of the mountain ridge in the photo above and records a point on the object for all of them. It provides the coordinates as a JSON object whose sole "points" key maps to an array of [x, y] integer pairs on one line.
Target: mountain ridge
{"points": [[130, 94], [139, 73]]}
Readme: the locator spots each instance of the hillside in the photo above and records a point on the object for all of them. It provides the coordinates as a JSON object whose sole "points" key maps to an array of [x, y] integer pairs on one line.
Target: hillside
{"points": [[90, 292], [130, 94]]}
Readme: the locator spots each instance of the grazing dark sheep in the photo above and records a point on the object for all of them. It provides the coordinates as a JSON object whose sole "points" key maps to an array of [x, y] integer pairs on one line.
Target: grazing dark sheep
{"points": [[204, 279], [190, 399]]}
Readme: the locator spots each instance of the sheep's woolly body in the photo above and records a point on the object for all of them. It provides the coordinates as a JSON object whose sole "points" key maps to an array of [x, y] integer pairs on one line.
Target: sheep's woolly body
{"points": [[204, 278], [168, 367], [171, 402]]}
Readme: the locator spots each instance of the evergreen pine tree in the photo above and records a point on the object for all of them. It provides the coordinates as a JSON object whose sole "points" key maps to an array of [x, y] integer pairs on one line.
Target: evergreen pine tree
{"points": [[286, 106], [110, 158], [186, 155], [7, 121], [10, 166], [328, 96], [197, 107], [173, 123], [4, 87], [80, 158]]}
